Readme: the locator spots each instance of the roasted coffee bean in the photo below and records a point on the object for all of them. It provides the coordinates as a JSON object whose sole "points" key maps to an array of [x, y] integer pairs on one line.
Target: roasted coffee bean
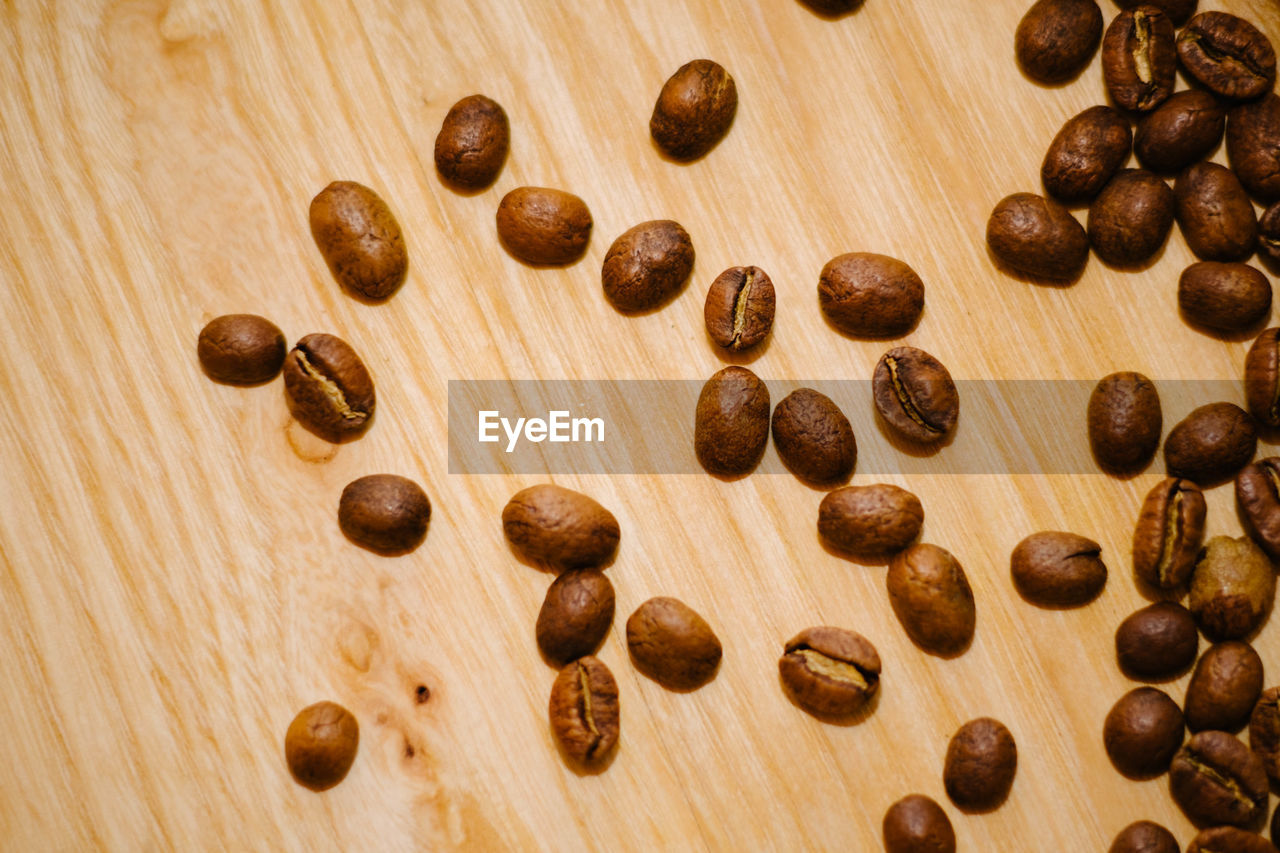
{"points": [[1168, 534], [1214, 213], [1269, 232], [1253, 146], [560, 528], [1264, 732], [1085, 153], [1232, 588], [360, 240], [1144, 836], [538, 225], [832, 7], [830, 672], [739, 309], [870, 296], [1139, 58], [1179, 132], [320, 745], [731, 425], [385, 513], [1228, 55], [584, 711], [1142, 732], [981, 762], [813, 437], [694, 110], [575, 615], [1053, 568], [870, 521], [1131, 218], [1157, 641], [1216, 779], [1210, 444], [915, 395], [917, 824], [647, 265], [1229, 839], [1226, 683], [1262, 378], [242, 349], [932, 599], [1056, 38], [1037, 236], [1124, 420], [328, 388], [1177, 10], [473, 142], [1258, 497], [671, 643], [1228, 297]]}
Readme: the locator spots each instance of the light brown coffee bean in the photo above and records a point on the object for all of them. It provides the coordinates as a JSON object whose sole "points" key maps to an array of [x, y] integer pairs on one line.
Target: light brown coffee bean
{"points": [[560, 528], [870, 521], [320, 745], [915, 395], [731, 425], [1124, 421], [242, 349], [830, 672], [813, 437], [671, 643], [1168, 534], [538, 225], [473, 142], [360, 239], [584, 711], [647, 265], [694, 110], [981, 762], [328, 388], [1054, 568], [1232, 588], [575, 615], [932, 599], [917, 824], [386, 513], [870, 296], [1226, 683], [739, 309]]}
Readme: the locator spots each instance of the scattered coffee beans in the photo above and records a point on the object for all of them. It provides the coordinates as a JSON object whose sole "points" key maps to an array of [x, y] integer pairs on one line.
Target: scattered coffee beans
{"points": [[739, 309], [1253, 146], [1053, 568], [1124, 420], [1142, 732], [731, 425], [243, 349], [869, 295], [813, 437], [1232, 588], [1214, 213], [1157, 641], [473, 142], [1258, 497], [870, 521], [575, 616], [1269, 232], [671, 643], [1056, 38], [1144, 836], [1226, 683], [694, 110], [647, 265], [584, 711], [1216, 779], [1264, 732], [1181, 131], [932, 599], [1139, 58], [360, 239], [544, 226], [1168, 534], [328, 388], [1210, 444], [1229, 839], [560, 528], [1262, 378], [320, 745], [917, 824], [915, 395], [1037, 236], [1085, 153], [1228, 55], [980, 765], [1227, 297], [385, 513], [1131, 218], [830, 672]]}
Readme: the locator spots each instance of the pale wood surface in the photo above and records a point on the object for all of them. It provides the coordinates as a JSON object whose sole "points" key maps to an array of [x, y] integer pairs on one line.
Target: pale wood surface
{"points": [[175, 586]]}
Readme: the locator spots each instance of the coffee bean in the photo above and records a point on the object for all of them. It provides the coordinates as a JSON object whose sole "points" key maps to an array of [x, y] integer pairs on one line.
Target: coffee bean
{"points": [[870, 521], [917, 824], [1228, 297], [981, 762], [385, 513], [320, 745], [1142, 732], [832, 7], [1037, 236], [1131, 218], [575, 616], [1232, 588], [694, 110], [1124, 420], [1269, 233], [1085, 153], [1056, 38], [813, 437], [538, 225], [1264, 733], [1177, 10], [360, 239], [915, 395], [1214, 213], [584, 711], [1168, 534], [1144, 836], [671, 643], [647, 265], [1216, 779], [739, 309], [560, 528], [870, 296], [1229, 839], [932, 599], [1253, 146], [473, 142], [829, 672], [1258, 499], [328, 388], [1054, 568], [1262, 378], [1157, 641], [1228, 55], [242, 349], [1226, 683], [1210, 444], [731, 426], [1181, 131], [1139, 58]]}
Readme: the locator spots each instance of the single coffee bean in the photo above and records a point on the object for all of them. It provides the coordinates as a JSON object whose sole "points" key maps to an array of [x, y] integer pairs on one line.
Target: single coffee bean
{"points": [[694, 110], [1085, 153], [538, 225], [813, 437], [320, 745], [731, 425], [575, 615], [1056, 38], [1216, 779], [981, 762], [739, 309], [1229, 839], [1253, 146], [870, 521], [385, 513], [1037, 236], [870, 296], [1232, 588], [647, 265], [832, 7], [1210, 444], [584, 711], [915, 395], [1053, 568], [560, 528], [1131, 218], [1228, 55], [917, 824], [328, 388], [1226, 683], [1269, 232], [1142, 732], [360, 239], [1157, 641], [1168, 534], [1214, 213], [829, 672], [932, 599], [1264, 732], [1144, 836], [242, 349], [1124, 420], [1262, 378], [1177, 10], [1228, 297], [1139, 58], [1258, 498], [1179, 132], [473, 142], [671, 643]]}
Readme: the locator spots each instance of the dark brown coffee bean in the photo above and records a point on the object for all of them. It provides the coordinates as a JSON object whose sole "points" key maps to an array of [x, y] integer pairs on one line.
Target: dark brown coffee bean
{"points": [[932, 599], [1085, 153], [981, 762], [731, 426], [385, 513], [242, 349], [1253, 146], [575, 615], [830, 672], [1037, 236], [584, 711], [1177, 10], [1179, 132], [870, 521], [647, 265], [1131, 218], [360, 239], [694, 110], [739, 308], [1056, 38], [538, 225], [1053, 568], [870, 296], [328, 388], [1139, 59], [1232, 588], [1228, 297], [1216, 779], [472, 143], [671, 643], [813, 437], [1229, 839], [1142, 731], [1224, 687], [1157, 641], [915, 395], [1264, 733], [1228, 55], [1168, 534], [1262, 378], [320, 745], [1210, 444], [1214, 213], [1258, 498], [917, 824], [1269, 233], [560, 528], [832, 7], [1124, 420], [1144, 836]]}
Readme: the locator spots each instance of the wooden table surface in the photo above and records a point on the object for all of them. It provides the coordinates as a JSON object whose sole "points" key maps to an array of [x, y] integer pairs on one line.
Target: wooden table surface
{"points": [[175, 587]]}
